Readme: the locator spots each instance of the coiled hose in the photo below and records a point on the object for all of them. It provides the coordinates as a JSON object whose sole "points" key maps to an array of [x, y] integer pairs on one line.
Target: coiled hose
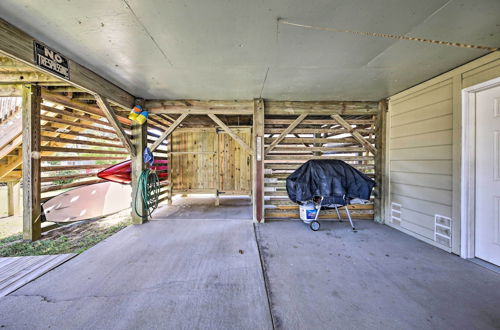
{"points": [[149, 190]]}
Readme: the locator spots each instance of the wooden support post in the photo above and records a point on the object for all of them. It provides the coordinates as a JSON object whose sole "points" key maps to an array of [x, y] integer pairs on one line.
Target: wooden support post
{"points": [[168, 131], [317, 145], [10, 198], [287, 131], [380, 144], [170, 178], [113, 121], [258, 162], [231, 133], [32, 216], [140, 142], [18, 205], [217, 198]]}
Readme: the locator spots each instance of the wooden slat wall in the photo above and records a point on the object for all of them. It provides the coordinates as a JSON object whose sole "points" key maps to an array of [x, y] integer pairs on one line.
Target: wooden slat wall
{"points": [[318, 136], [161, 153], [76, 145]]}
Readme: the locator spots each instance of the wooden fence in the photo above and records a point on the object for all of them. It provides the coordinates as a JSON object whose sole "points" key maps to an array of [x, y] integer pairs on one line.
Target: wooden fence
{"points": [[76, 143], [295, 134]]}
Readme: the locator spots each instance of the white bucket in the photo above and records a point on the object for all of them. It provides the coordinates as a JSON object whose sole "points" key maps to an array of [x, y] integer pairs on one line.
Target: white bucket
{"points": [[308, 212]]}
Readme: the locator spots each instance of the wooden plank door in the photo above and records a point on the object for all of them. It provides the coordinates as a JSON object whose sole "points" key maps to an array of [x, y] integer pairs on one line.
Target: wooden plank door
{"points": [[194, 161], [235, 163]]}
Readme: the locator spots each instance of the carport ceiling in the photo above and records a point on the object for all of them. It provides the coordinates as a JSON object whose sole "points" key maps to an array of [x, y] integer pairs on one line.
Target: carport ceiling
{"points": [[227, 49]]}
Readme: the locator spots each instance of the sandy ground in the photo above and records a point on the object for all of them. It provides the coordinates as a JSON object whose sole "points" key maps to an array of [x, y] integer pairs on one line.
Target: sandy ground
{"points": [[13, 225], [10, 226]]}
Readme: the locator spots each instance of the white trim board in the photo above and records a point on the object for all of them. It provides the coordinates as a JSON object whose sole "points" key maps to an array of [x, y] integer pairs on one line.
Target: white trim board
{"points": [[468, 184]]}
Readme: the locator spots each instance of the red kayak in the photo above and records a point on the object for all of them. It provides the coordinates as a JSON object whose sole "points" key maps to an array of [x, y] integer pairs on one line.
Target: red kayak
{"points": [[122, 172]]}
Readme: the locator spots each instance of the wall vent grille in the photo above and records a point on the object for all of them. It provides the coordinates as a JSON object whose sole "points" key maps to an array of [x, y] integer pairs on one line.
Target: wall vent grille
{"points": [[442, 230], [396, 213]]}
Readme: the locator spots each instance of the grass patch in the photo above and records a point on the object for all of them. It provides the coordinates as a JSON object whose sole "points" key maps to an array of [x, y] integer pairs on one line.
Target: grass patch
{"points": [[71, 240], [12, 238]]}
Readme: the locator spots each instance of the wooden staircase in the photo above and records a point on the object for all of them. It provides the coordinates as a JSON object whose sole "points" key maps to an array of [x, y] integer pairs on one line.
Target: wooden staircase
{"points": [[10, 139]]}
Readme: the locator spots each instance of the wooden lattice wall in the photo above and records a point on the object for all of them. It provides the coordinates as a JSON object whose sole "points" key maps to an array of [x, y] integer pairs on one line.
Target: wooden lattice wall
{"points": [[293, 135], [76, 143]]}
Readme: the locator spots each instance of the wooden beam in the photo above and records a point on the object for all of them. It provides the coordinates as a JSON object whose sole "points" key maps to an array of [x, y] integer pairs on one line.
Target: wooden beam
{"points": [[70, 177], [346, 140], [12, 164], [258, 161], [25, 77], [19, 45], [140, 141], [113, 120], [65, 89], [10, 137], [321, 107], [231, 133], [78, 158], [10, 90], [317, 122], [197, 107], [168, 132], [287, 130], [329, 131], [302, 158], [82, 150], [203, 111], [355, 134], [12, 177], [167, 118], [79, 142], [48, 119], [71, 185], [32, 215]]}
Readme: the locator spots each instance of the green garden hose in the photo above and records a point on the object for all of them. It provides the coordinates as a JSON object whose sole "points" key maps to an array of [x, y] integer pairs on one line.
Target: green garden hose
{"points": [[148, 192]]}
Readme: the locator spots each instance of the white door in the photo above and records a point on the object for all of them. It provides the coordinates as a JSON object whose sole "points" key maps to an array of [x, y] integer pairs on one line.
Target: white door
{"points": [[487, 231]]}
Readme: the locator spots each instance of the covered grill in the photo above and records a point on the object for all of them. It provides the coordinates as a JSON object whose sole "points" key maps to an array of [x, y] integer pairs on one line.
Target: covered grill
{"points": [[327, 184]]}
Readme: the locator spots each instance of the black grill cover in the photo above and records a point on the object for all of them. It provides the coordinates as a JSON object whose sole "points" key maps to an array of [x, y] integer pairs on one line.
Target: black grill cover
{"points": [[335, 180]]}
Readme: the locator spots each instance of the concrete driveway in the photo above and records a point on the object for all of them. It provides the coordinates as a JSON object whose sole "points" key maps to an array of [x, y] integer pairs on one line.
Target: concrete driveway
{"points": [[377, 278], [172, 274], [207, 274]]}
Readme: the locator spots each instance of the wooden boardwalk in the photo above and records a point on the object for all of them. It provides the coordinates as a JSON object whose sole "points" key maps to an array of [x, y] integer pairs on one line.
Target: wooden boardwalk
{"points": [[18, 271]]}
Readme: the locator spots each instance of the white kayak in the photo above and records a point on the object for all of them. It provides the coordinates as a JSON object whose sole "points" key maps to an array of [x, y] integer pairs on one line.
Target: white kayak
{"points": [[88, 202]]}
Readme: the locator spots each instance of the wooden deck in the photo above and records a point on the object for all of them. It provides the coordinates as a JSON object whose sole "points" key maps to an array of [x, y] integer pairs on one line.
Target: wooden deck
{"points": [[18, 271]]}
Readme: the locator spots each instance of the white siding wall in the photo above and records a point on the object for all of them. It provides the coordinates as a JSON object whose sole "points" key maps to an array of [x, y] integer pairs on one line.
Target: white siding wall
{"points": [[424, 151], [420, 153]]}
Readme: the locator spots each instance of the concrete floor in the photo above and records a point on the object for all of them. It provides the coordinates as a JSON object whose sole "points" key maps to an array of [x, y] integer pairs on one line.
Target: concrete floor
{"points": [[186, 273], [171, 274], [377, 278], [202, 207]]}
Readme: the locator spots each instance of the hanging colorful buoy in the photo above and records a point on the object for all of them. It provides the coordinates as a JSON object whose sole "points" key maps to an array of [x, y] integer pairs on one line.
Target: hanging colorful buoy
{"points": [[141, 119], [135, 112]]}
